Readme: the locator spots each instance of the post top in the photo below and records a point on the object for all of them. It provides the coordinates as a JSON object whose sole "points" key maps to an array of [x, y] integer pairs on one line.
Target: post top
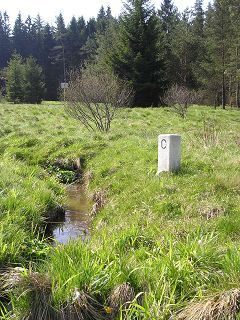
{"points": [[170, 135]]}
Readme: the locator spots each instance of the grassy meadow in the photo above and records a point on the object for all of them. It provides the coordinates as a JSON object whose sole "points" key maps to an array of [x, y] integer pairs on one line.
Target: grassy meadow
{"points": [[169, 244]]}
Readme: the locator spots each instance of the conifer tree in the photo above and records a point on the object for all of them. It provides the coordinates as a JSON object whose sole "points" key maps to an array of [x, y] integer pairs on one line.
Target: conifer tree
{"points": [[234, 90], [37, 31], [30, 37], [75, 40], [5, 40], [49, 68], [218, 39], [137, 55], [90, 46], [58, 53], [169, 18], [15, 79], [33, 81], [19, 36], [198, 43], [183, 50]]}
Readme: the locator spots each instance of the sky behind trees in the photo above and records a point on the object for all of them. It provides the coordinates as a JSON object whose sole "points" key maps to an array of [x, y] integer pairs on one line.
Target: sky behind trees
{"points": [[49, 9]]}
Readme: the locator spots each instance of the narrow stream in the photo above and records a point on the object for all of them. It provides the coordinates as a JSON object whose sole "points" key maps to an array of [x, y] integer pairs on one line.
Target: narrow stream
{"points": [[76, 221]]}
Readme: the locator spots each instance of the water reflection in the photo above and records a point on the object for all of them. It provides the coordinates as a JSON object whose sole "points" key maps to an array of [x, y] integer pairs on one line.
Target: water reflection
{"points": [[76, 220]]}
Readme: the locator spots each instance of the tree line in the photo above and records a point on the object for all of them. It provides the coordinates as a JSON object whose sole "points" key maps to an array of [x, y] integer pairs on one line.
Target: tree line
{"points": [[150, 49]]}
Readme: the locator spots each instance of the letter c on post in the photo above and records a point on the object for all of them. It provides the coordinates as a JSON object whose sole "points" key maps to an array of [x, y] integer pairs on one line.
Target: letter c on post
{"points": [[163, 144]]}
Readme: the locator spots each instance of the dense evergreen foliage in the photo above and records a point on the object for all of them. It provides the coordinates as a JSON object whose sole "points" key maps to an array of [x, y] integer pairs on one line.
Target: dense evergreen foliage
{"points": [[15, 79], [24, 80], [33, 81], [137, 54], [152, 49]]}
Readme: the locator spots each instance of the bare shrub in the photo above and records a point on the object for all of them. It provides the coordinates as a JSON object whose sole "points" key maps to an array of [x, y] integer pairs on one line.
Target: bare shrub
{"points": [[93, 96], [180, 98]]}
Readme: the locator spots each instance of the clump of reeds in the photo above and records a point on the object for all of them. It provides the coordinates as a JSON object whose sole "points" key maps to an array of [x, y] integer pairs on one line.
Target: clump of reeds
{"points": [[223, 306]]}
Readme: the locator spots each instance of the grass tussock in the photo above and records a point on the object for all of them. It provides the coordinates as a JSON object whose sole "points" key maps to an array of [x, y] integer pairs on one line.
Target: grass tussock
{"points": [[120, 299], [223, 306], [83, 307], [99, 199]]}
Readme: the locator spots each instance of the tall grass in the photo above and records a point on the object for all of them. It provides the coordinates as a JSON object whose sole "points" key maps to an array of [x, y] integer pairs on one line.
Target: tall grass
{"points": [[172, 240]]}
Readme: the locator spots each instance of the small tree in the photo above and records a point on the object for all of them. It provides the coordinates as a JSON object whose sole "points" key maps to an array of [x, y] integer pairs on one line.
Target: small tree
{"points": [[15, 92], [180, 98], [93, 96], [33, 82]]}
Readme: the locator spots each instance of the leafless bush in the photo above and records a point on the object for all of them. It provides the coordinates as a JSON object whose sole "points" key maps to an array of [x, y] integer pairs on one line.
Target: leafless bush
{"points": [[93, 97], [180, 98]]}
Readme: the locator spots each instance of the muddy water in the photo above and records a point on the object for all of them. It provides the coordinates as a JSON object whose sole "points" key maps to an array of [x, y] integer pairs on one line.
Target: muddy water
{"points": [[76, 221]]}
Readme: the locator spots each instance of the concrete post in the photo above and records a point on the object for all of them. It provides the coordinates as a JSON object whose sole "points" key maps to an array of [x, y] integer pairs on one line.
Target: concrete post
{"points": [[169, 152]]}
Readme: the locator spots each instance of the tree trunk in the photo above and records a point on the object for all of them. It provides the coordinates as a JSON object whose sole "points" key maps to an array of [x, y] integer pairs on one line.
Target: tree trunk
{"points": [[230, 91], [237, 80], [237, 94], [223, 91]]}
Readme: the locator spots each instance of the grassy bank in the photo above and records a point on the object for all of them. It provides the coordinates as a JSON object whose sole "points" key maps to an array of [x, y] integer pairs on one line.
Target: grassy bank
{"points": [[167, 241]]}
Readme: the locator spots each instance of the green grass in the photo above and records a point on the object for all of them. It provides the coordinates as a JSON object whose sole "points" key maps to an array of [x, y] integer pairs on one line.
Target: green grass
{"points": [[173, 238]]}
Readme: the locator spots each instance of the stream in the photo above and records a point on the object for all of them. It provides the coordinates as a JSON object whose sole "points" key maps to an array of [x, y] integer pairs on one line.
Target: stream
{"points": [[76, 221]]}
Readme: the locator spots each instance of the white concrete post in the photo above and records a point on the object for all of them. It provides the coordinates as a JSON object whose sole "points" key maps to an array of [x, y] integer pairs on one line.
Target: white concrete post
{"points": [[169, 152]]}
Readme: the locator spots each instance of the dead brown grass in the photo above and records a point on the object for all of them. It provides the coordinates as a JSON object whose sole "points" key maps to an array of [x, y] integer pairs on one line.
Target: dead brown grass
{"points": [[83, 307], [210, 212], [120, 297], [223, 306], [99, 198]]}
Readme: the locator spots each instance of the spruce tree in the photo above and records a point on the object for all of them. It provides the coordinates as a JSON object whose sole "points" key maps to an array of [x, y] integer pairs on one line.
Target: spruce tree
{"points": [[74, 44], [15, 79], [5, 40], [37, 34], [222, 33], [104, 18], [49, 68], [234, 9], [169, 18], [137, 55], [58, 53], [90, 47], [198, 43], [19, 37], [33, 81], [30, 37], [218, 39], [182, 46]]}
